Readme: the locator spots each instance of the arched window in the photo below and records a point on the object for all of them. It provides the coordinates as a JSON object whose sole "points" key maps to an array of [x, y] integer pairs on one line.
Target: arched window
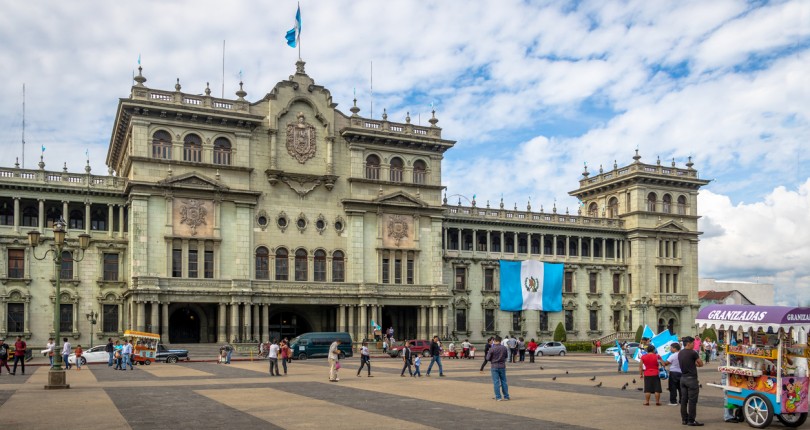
{"points": [[262, 263], [681, 205], [66, 270], [98, 219], [613, 208], [572, 246], [76, 220], [667, 203], [319, 266], [586, 247], [282, 265], [30, 217], [651, 199], [338, 267], [560, 245], [222, 151], [52, 215], [395, 174], [301, 265], [419, 172], [162, 145], [192, 148], [7, 212], [372, 167], [593, 210]]}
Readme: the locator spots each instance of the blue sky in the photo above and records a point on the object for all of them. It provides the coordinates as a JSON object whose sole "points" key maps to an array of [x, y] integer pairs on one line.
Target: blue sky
{"points": [[530, 90]]}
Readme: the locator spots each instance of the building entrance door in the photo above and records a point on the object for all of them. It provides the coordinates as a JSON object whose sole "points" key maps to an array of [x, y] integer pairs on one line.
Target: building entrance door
{"points": [[184, 326], [288, 324]]}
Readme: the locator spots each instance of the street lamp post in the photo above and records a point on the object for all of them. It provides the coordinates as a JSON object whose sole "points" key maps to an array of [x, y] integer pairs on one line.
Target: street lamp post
{"points": [[92, 316], [56, 376]]}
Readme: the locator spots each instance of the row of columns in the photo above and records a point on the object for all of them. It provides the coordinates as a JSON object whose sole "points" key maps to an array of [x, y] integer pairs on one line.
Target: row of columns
{"points": [[65, 214], [356, 319], [617, 245]]}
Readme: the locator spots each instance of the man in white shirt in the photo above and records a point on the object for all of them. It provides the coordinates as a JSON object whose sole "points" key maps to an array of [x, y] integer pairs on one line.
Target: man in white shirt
{"points": [[272, 355], [66, 352], [126, 352], [334, 354], [364, 359]]}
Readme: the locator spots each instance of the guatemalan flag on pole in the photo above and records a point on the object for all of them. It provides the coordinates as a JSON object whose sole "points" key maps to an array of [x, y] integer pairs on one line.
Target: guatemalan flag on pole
{"points": [[531, 285], [294, 35]]}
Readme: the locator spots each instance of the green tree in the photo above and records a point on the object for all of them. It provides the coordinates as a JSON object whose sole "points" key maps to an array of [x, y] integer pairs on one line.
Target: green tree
{"points": [[710, 333], [559, 333], [639, 332]]}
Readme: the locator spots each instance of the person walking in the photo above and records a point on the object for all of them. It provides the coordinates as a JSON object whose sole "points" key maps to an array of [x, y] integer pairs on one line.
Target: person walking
{"points": [[435, 356], [689, 361], [126, 352], [465, 349], [4, 356], [229, 352], [406, 358], [110, 350], [497, 358], [598, 346], [66, 347], [365, 360], [648, 370], [512, 343], [487, 347], [385, 346], [285, 354], [78, 351], [48, 351], [334, 355], [674, 380], [532, 348], [118, 356], [522, 349], [417, 363], [19, 355], [272, 357]]}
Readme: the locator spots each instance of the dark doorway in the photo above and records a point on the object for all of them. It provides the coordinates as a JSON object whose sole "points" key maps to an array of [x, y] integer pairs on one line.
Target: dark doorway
{"points": [[288, 324], [402, 319], [184, 326]]}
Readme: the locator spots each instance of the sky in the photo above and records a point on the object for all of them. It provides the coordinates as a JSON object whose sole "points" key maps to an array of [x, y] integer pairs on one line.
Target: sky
{"points": [[531, 91]]}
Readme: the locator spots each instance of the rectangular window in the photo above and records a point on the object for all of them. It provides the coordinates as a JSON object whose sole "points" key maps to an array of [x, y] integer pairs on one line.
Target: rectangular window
{"points": [[543, 321], [110, 319], [338, 270], [592, 282], [629, 284], [516, 321], [208, 262], [569, 320], [16, 263], [594, 320], [319, 269], [461, 278], [569, 282], [489, 279], [282, 267], [674, 283], [510, 244], [110, 267], [666, 248], [666, 282], [386, 271], [461, 319], [660, 248], [177, 263], [66, 271], [616, 283], [192, 263], [489, 319], [397, 271], [300, 268], [660, 282], [410, 274], [66, 318], [15, 319], [674, 249]]}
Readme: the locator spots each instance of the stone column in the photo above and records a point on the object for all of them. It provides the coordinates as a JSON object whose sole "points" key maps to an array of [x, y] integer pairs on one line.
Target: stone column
{"points": [[141, 316], [341, 317], [591, 253], [567, 246], [121, 221], [110, 216], [154, 317], [515, 244], [248, 322], [17, 214], [273, 158], [65, 214], [364, 325], [222, 328], [489, 241], [164, 323], [234, 328], [475, 241], [434, 321], [87, 216], [604, 249], [352, 326], [616, 249], [460, 244], [256, 324], [444, 233], [542, 245], [266, 321], [445, 324], [184, 259], [579, 247], [41, 220], [529, 244]]}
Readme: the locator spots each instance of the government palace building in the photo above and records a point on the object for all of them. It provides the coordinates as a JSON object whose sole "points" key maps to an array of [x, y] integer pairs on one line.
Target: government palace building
{"points": [[225, 219]]}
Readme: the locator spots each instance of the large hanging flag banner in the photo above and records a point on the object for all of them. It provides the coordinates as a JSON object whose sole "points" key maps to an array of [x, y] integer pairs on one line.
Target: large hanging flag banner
{"points": [[531, 285], [294, 35], [648, 333], [662, 341]]}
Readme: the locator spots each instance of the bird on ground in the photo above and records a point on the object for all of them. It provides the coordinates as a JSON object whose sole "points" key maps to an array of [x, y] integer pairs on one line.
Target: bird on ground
{"points": [[634, 380], [598, 385], [554, 378], [566, 372], [639, 389], [594, 378], [624, 387], [541, 368]]}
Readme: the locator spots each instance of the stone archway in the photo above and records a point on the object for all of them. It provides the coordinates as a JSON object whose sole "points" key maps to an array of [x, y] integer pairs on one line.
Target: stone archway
{"points": [[288, 323], [668, 320], [188, 324]]}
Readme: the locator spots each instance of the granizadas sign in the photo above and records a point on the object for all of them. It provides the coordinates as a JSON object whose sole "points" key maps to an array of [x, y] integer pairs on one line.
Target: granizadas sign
{"points": [[737, 315]]}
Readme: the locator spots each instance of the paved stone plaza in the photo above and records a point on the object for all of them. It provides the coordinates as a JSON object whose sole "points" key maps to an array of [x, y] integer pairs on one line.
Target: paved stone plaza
{"points": [[242, 395]]}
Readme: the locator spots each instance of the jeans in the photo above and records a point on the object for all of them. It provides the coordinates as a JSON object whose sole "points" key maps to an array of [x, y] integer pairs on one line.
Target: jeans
{"points": [[674, 386], [284, 364], [416, 371], [531, 356], [364, 361], [50, 358], [438, 360], [228, 357], [407, 365], [21, 360], [119, 363], [65, 360], [4, 363], [690, 389], [522, 355], [499, 382], [110, 361], [128, 361], [274, 366]]}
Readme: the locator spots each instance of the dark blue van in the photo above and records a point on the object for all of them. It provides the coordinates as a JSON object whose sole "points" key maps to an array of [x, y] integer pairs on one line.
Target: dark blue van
{"points": [[316, 344]]}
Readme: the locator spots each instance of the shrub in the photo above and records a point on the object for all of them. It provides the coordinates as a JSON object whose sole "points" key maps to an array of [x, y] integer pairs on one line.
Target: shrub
{"points": [[639, 333], [710, 333], [559, 333], [580, 346]]}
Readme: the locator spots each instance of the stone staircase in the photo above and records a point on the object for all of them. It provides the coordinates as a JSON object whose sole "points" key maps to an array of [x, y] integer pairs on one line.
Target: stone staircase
{"points": [[621, 336]]}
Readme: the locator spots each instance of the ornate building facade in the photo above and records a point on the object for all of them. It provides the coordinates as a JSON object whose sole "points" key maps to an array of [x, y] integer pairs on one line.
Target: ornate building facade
{"points": [[221, 219]]}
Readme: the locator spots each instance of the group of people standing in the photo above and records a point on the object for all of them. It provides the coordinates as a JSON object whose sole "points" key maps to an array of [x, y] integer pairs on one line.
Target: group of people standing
{"points": [[275, 351]]}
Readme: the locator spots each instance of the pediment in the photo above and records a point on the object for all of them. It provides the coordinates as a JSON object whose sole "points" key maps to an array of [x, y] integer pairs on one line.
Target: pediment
{"points": [[400, 198], [192, 180], [671, 226]]}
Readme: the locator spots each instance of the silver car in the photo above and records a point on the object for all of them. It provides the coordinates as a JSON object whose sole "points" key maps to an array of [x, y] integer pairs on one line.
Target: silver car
{"points": [[551, 348]]}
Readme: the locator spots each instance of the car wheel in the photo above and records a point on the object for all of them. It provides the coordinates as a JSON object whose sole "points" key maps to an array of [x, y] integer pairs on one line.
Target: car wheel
{"points": [[83, 360], [425, 353], [562, 353], [302, 356], [171, 359], [399, 353], [341, 355], [147, 362], [540, 353]]}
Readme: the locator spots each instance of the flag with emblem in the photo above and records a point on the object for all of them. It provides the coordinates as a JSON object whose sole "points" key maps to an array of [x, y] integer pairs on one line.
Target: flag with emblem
{"points": [[531, 285], [662, 341]]}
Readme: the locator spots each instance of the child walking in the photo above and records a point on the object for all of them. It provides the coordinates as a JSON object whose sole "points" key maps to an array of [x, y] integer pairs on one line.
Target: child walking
{"points": [[416, 364], [78, 352]]}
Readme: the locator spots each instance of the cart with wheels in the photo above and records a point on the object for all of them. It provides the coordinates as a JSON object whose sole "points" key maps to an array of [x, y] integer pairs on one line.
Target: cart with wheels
{"points": [[766, 361], [144, 346]]}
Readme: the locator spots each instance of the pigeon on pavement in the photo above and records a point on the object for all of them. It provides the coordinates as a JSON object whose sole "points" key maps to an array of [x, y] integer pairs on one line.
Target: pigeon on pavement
{"points": [[594, 378], [598, 385], [554, 378]]}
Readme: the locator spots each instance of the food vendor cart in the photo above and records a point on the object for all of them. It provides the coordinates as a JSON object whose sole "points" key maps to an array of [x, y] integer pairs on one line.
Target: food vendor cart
{"points": [[144, 346], [766, 361]]}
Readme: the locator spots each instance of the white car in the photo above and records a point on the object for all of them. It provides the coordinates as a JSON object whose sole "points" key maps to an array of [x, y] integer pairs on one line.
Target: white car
{"points": [[95, 354]]}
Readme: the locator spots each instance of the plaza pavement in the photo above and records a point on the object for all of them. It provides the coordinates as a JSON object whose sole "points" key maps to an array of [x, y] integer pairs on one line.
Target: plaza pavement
{"points": [[207, 395]]}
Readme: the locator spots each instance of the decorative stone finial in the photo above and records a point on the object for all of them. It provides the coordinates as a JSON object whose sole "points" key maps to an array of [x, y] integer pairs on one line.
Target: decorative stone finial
{"points": [[64, 167], [207, 89], [459, 201], [354, 109], [408, 118], [554, 209], [636, 157], [433, 119], [299, 67], [600, 169], [109, 171], [515, 207], [241, 93], [501, 202], [169, 173], [217, 175], [529, 206], [615, 165], [689, 163], [566, 210], [541, 208], [17, 163], [41, 163], [140, 79], [87, 167], [579, 210], [444, 200], [673, 161], [658, 160], [585, 172], [385, 115], [177, 85], [487, 203], [473, 201]]}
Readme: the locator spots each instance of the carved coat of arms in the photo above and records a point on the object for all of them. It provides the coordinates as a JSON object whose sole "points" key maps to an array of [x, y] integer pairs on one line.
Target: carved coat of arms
{"points": [[397, 228], [193, 213], [301, 140]]}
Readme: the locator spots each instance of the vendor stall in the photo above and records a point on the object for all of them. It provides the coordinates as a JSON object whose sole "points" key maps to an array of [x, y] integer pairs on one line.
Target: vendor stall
{"points": [[766, 361]]}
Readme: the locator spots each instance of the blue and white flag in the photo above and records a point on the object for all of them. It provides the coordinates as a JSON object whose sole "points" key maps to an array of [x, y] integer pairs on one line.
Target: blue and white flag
{"points": [[648, 333], [294, 35], [637, 355], [662, 341], [531, 285]]}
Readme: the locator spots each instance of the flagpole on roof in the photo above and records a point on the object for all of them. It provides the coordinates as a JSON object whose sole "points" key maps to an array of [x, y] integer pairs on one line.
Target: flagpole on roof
{"points": [[299, 30]]}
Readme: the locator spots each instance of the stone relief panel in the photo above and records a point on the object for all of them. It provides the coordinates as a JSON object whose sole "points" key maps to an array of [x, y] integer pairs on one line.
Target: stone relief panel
{"points": [[301, 140], [192, 217], [398, 231]]}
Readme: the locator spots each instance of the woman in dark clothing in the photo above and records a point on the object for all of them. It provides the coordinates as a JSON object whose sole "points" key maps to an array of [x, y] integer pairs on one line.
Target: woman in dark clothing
{"points": [[486, 350]]}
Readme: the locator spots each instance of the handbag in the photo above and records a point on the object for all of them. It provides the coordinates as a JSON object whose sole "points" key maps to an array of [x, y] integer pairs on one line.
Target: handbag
{"points": [[337, 365]]}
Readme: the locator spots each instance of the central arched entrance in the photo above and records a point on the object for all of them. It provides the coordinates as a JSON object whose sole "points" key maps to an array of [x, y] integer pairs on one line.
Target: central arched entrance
{"points": [[184, 326], [289, 324]]}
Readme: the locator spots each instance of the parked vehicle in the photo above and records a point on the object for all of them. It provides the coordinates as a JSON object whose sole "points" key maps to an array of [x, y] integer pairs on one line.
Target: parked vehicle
{"points": [[418, 347], [316, 344], [551, 348], [171, 355], [95, 354], [631, 346]]}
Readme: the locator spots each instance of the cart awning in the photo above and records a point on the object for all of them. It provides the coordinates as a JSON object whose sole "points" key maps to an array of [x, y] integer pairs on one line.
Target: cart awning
{"points": [[143, 334], [732, 317]]}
